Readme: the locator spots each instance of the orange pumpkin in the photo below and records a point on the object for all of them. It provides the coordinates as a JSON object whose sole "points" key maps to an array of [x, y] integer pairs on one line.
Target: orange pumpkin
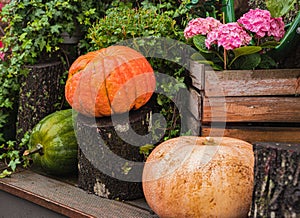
{"points": [[109, 81], [194, 177]]}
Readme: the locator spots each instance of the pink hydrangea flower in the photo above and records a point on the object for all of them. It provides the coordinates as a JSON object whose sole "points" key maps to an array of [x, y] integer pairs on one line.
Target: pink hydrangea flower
{"points": [[200, 26], [2, 54], [276, 28], [230, 36], [257, 21]]}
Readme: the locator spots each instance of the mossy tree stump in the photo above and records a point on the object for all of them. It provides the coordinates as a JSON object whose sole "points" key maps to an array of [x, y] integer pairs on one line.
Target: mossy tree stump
{"points": [[40, 92], [110, 162], [277, 180]]}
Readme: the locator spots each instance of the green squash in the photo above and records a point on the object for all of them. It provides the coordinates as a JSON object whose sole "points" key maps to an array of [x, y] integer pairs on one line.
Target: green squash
{"points": [[53, 144]]}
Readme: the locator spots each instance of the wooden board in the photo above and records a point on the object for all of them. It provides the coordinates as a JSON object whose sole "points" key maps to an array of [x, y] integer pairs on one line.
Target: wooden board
{"points": [[252, 83], [258, 133], [68, 199], [252, 109]]}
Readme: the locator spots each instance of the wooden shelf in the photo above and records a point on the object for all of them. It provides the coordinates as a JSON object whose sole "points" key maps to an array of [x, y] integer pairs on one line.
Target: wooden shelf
{"points": [[69, 200]]}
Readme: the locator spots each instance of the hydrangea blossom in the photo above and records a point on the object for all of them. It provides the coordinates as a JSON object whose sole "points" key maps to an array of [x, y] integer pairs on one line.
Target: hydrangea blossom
{"points": [[1, 53], [201, 26], [276, 28], [257, 21], [262, 24], [230, 36]]}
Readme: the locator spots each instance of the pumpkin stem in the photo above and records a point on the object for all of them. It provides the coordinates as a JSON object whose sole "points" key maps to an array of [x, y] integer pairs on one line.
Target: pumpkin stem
{"points": [[38, 148], [209, 141]]}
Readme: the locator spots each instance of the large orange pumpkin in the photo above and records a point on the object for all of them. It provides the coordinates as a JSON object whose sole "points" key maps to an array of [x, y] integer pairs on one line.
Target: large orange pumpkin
{"points": [[109, 81], [195, 177]]}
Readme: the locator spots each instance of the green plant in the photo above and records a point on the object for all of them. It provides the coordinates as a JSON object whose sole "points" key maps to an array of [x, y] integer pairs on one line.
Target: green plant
{"points": [[142, 26], [11, 155], [245, 44], [291, 16], [34, 34]]}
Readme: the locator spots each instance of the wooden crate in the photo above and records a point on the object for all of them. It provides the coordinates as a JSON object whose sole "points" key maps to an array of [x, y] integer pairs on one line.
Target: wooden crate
{"points": [[253, 105]]}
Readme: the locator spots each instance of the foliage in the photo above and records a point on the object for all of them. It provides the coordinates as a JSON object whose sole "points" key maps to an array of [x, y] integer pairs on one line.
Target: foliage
{"points": [[124, 22], [12, 155], [236, 45], [34, 34], [278, 8]]}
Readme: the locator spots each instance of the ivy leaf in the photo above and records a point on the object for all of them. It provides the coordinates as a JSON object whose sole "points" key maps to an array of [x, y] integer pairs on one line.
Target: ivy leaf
{"points": [[5, 173], [13, 164], [248, 62], [199, 42], [145, 149], [55, 28], [278, 8]]}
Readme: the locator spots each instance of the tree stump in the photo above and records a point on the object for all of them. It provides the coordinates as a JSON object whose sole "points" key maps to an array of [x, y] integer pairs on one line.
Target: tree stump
{"points": [[40, 93], [110, 162], [277, 180]]}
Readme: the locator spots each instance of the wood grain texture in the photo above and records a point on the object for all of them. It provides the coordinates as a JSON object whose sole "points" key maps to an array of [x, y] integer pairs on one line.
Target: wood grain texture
{"points": [[66, 199], [253, 134], [252, 109], [252, 83]]}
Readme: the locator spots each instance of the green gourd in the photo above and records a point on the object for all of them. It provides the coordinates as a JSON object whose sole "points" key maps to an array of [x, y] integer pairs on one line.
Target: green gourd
{"points": [[53, 145]]}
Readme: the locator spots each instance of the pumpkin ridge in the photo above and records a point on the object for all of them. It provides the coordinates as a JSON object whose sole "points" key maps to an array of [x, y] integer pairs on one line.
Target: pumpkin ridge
{"points": [[112, 69], [106, 88], [127, 77], [83, 101]]}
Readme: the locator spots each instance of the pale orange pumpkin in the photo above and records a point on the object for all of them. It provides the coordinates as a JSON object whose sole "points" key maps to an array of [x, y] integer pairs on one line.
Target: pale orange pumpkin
{"points": [[194, 177], [109, 81]]}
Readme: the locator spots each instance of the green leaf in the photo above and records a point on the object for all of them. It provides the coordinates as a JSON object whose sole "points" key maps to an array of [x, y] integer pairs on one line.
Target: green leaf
{"points": [[278, 8], [197, 56], [13, 164], [242, 51], [248, 62], [267, 62], [199, 42], [5, 173], [145, 149], [246, 50], [269, 44]]}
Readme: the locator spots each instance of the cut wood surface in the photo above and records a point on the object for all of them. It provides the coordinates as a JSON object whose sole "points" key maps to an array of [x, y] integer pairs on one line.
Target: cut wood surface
{"points": [[257, 133], [252, 83], [252, 109]]}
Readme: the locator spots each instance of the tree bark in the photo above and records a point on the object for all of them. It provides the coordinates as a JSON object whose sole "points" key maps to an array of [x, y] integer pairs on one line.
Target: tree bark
{"points": [[277, 180], [40, 91], [110, 162]]}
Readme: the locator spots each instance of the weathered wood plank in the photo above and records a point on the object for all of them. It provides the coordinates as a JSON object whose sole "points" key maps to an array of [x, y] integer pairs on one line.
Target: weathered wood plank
{"points": [[258, 133], [66, 199], [252, 83], [252, 109]]}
